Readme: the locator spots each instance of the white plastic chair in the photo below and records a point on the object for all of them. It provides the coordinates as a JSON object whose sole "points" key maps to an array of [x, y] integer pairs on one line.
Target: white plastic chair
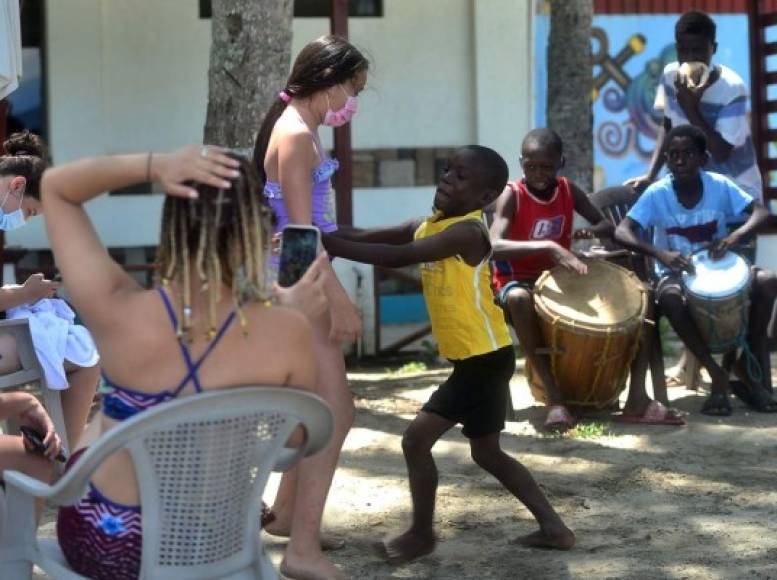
{"points": [[32, 372], [203, 525]]}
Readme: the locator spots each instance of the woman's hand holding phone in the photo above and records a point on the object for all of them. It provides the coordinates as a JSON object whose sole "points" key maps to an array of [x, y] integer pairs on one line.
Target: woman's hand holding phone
{"points": [[307, 295]]}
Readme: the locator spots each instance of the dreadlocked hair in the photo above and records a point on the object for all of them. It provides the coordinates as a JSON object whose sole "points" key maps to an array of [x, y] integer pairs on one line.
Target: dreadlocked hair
{"points": [[226, 231], [25, 155]]}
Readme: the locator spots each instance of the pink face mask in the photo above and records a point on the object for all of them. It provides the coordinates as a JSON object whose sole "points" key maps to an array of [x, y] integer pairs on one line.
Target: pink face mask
{"points": [[343, 115]]}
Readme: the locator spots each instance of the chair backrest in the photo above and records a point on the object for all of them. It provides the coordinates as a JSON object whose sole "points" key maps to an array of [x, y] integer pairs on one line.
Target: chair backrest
{"points": [[615, 203], [202, 463]]}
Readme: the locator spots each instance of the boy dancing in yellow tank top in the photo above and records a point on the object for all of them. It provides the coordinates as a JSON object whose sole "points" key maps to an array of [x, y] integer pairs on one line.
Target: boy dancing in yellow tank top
{"points": [[453, 250]]}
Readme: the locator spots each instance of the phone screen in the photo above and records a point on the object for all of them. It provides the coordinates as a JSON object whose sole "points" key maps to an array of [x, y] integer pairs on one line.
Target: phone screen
{"points": [[299, 247]]}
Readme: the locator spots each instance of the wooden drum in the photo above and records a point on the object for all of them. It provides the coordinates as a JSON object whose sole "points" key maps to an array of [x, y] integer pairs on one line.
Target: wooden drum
{"points": [[591, 326]]}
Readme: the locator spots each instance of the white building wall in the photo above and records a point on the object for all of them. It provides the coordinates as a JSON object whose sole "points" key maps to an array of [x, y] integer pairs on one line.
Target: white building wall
{"points": [[131, 75]]}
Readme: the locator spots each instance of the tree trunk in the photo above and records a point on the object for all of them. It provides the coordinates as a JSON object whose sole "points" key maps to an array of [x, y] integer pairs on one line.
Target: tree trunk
{"points": [[250, 55], [569, 86]]}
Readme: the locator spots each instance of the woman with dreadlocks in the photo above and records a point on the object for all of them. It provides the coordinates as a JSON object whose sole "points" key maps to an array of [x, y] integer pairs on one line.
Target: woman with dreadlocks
{"points": [[200, 329], [327, 76]]}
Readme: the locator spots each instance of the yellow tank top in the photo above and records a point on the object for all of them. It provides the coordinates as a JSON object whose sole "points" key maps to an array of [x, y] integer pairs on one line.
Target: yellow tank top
{"points": [[465, 320]]}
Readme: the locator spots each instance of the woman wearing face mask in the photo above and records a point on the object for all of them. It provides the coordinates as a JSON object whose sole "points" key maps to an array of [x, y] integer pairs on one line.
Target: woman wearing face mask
{"points": [[322, 88], [21, 169]]}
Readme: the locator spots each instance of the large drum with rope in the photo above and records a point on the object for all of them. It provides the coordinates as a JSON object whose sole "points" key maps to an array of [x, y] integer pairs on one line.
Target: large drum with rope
{"points": [[591, 326]]}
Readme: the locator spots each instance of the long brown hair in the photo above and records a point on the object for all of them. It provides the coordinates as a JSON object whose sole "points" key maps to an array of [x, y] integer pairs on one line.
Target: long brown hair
{"points": [[26, 155], [227, 233], [326, 62]]}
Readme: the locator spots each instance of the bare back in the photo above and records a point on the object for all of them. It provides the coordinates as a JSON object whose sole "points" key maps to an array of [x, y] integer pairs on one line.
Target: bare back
{"points": [[143, 354], [291, 137]]}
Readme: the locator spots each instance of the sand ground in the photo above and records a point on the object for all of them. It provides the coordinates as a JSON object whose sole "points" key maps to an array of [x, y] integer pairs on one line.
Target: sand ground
{"points": [[645, 502]]}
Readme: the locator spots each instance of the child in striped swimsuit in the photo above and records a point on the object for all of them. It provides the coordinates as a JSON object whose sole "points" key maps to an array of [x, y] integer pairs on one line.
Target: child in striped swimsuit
{"points": [[453, 249]]}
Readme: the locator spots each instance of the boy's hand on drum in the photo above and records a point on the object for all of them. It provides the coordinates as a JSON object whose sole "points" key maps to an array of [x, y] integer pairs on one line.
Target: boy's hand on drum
{"points": [[207, 165], [675, 261], [307, 295], [718, 248], [36, 287], [568, 260]]}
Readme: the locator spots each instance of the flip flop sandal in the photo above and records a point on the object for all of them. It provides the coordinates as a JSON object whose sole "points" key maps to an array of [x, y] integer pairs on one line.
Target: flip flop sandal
{"points": [[717, 405], [559, 419], [655, 414]]}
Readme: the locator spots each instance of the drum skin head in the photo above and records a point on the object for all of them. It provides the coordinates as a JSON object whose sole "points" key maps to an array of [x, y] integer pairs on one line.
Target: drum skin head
{"points": [[717, 278], [608, 296]]}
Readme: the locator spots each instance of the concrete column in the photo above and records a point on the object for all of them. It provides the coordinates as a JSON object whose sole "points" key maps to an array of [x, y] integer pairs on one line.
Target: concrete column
{"points": [[504, 74]]}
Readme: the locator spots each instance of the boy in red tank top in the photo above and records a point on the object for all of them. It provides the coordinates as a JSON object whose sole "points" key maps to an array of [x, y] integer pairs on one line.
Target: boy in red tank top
{"points": [[531, 233]]}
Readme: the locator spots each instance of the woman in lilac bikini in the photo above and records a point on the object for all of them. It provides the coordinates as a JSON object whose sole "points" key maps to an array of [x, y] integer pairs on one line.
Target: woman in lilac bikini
{"points": [[322, 88], [200, 329]]}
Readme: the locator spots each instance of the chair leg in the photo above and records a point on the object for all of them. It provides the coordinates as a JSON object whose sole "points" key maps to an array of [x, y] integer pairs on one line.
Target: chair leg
{"points": [[657, 371], [53, 403], [17, 536], [692, 371]]}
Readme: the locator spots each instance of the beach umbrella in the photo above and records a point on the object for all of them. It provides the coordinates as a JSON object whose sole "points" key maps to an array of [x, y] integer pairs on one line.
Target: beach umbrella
{"points": [[10, 47]]}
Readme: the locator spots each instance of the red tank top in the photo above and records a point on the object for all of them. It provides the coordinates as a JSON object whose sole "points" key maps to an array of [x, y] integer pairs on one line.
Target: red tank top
{"points": [[536, 219]]}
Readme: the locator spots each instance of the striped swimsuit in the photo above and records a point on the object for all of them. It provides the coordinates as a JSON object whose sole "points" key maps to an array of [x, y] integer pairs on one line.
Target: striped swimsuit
{"points": [[100, 538]]}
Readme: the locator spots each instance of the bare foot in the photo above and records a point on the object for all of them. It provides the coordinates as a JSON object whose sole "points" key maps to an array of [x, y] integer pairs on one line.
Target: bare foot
{"points": [[278, 528], [318, 569], [408, 546], [328, 543], [556, 539]]}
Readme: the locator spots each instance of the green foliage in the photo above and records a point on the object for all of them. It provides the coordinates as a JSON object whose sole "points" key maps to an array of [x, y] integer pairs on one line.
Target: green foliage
{"points": [[590, 430], [409, 369]]}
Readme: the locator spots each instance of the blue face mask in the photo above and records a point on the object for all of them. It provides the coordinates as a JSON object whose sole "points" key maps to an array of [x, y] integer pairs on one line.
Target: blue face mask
{"points": [[13, 220]]}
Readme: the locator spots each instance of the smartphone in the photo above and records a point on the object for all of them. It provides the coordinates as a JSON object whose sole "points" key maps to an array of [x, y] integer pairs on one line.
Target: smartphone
{"points": [[299, 247], [35, 440]]}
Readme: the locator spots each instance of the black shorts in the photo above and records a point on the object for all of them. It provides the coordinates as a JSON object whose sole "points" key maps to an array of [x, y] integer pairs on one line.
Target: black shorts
{"points": [[476, 393]]}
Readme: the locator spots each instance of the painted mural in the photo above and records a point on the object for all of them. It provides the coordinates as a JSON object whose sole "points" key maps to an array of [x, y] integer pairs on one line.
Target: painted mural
{"points": [[629, 54]]}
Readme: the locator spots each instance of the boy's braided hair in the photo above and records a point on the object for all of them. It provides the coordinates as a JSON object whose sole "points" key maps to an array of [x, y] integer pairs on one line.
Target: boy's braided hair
{"points": [[227, 233]]}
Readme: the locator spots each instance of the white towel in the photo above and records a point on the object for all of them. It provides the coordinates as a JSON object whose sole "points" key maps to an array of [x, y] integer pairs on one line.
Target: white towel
{"points": [[57, 339]]}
